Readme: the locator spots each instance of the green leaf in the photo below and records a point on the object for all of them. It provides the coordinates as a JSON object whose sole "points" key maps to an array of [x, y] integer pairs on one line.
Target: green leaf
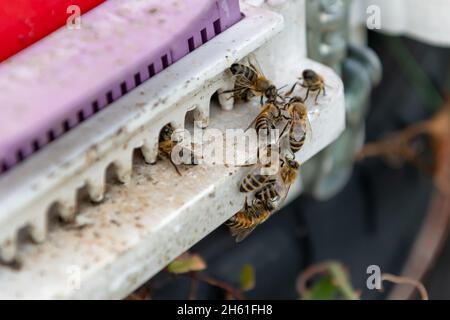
{"points": [[341, 279], [187, 263], [247, 277], [323, 289]]}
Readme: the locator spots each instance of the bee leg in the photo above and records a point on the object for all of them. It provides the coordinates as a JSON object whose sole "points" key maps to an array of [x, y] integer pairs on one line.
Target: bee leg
{"points": [[284, 129], [324, 92], [307, 94], [317, 95], [279, 114], [175, 166], [283, 100], [292, 89], [262, 100], [292, 153], [235, 90]]}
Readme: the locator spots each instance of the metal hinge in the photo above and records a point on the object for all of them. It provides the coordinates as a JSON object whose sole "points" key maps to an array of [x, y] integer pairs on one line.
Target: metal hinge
{"points": [[329, 43]]}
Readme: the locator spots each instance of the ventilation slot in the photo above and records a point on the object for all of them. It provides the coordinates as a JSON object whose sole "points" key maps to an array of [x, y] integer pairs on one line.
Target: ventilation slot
{"points": [[51, 135], [137, 79], [109, 97], [19, 156], [66, 126], [151, 70], [123, 88], [217, 28], [191, 44], [204, 35], [95, 107], [35, 145], [80, 116], [165, 61], [4, 167]]}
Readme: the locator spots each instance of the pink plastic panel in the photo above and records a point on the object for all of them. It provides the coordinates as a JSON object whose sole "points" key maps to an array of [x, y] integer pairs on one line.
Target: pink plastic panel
{"points": [[60, 81]]}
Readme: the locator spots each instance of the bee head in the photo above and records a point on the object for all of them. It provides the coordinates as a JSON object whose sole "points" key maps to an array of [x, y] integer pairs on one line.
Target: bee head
{"points": [[293, 164], [309, 74], [271, 92], [235, 68], [270, 205], [166, 132]]}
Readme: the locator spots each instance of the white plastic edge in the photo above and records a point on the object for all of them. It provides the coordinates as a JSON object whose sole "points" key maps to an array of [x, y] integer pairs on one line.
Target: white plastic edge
{"points": [[424, 20]]}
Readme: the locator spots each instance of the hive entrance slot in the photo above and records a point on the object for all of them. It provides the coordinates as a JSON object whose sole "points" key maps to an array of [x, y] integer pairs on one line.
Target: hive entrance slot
{"points": [[165, 61], [217, 27]]}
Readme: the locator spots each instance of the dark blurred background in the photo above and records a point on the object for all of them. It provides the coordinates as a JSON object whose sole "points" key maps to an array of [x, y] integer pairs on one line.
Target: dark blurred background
{"points": [[373, 220]]}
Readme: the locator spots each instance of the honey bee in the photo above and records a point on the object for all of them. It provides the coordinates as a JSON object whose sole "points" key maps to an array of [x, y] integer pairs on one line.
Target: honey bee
{"points": [[266, 200], [247, 219], [277, 190], [251, 82], [312, 81], [255, 180], [268, 116], [166, 145], [261, 173], [299, 124], [245, 94]]}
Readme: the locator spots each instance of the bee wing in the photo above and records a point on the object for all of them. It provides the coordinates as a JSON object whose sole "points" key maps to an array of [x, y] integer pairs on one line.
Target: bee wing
{"points": [[298, 130], [301, 127], [261, 170], [254, 64], [308, 128], [241, 234], [242, 82], [282, 190]]}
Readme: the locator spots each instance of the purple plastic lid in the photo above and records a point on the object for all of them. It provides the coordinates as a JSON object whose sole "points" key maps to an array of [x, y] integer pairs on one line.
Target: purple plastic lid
{"points": [[60, 81]]}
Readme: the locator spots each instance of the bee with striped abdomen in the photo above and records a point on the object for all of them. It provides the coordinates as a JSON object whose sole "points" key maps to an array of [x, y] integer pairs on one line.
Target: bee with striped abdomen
{"points": [[298, 123], [264, 172], [250, 82], [247, 219], [269, 115], [277, 190], [166, 144], [255, 180], [312, 81]]}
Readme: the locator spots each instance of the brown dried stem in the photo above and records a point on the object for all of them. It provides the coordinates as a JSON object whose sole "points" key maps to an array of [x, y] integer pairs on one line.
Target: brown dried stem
{"points": [[399, 147], [230, 290], [405, 280]]}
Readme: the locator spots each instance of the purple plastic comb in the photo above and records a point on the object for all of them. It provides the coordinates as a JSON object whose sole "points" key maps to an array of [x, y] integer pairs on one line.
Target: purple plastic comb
{"points": [[65, 78]]}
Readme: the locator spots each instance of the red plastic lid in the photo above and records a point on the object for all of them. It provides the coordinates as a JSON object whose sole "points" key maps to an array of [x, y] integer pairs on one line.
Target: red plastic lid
{"points": [[23, 22]]}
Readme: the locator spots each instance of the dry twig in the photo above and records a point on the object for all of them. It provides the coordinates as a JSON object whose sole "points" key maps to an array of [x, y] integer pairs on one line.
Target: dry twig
{"points": [[399, 147], [405, 280]]}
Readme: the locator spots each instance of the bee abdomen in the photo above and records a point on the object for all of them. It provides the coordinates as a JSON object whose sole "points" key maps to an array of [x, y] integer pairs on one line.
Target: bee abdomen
{"points": [[253, 182], [246, 95], [262, 123], [240, 221], [267, 194], [244, 71], [296, 145], [165, 148]]}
